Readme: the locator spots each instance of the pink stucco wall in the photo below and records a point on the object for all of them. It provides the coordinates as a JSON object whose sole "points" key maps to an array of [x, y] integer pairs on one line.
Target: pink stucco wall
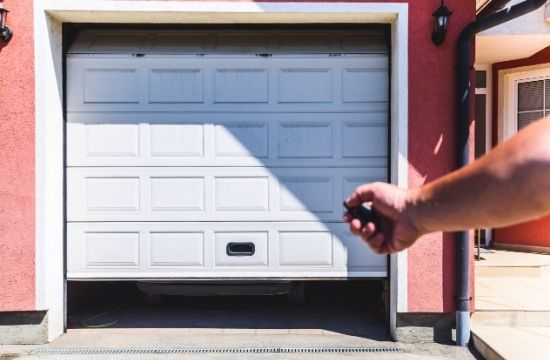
{"points": [[431, 152], [17, 201], [432, 119]]}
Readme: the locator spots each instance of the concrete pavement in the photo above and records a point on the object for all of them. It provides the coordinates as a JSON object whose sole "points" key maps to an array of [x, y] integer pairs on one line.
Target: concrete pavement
{"points": [[125, 339]]}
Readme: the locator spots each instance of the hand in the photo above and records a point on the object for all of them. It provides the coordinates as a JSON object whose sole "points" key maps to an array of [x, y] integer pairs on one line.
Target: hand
{"points": [[398, 231]]}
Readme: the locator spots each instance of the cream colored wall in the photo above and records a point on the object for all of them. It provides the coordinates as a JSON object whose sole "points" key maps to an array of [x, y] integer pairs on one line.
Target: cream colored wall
{"points": [[515, 39]]}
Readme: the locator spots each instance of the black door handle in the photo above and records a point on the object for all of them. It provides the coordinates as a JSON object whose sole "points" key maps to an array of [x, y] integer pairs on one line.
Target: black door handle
{"points": [[240, 249]]}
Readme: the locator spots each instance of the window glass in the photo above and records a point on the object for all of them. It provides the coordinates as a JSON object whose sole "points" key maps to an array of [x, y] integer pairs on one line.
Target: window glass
{"points": [[480, 118], [481, 79], [533, 101]]}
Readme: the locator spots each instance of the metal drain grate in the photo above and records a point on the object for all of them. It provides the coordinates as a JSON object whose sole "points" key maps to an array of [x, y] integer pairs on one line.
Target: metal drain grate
{"points": [[253, 350]]}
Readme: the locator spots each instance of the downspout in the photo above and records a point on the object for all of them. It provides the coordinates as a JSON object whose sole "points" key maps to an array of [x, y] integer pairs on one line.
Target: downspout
{"points": [[464, 68]]}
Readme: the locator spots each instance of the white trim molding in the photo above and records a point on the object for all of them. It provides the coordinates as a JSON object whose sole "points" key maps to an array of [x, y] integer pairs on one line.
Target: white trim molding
{"points": [[49, 15]]}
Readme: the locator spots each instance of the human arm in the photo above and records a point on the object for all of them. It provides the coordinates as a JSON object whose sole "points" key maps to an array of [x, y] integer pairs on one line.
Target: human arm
{"points": [[509, 185]]}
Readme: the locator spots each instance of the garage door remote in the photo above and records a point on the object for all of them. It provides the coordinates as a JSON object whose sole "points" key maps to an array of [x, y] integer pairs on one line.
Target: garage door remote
{"points": [[364, 214]]}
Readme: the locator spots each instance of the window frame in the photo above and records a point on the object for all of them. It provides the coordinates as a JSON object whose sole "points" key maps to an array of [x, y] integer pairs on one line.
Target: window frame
{"points": [[510, 124]]}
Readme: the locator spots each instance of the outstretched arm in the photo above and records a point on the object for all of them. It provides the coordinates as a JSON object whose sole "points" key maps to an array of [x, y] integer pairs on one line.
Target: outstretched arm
{"points": [[509, 185]]}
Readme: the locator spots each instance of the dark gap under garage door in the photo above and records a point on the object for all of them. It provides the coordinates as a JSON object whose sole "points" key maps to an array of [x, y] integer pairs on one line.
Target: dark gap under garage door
{"points": [[346, 308]]}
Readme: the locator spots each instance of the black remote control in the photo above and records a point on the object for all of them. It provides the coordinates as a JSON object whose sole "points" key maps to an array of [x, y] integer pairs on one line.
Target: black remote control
{"points": [[364, 214]]}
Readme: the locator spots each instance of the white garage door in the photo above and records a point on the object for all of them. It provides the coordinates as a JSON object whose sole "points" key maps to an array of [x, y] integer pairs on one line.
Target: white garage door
{"points": [[222, 154]]}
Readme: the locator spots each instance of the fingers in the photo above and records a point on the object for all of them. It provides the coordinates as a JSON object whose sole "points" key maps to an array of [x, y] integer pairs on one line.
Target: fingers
{"points": [[347, 217], [355, 227], [377, 243], [363, 193], [368, 232]]}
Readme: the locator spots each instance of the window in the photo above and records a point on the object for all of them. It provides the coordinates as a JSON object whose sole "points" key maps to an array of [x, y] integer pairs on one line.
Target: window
{"points": [[533, 101]]}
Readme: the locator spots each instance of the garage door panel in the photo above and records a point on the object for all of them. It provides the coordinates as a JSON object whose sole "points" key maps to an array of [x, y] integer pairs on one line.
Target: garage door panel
{"points": [[188, 250], [357, 85], [305, 248], [305, 140], [112, 194], [176, 85], [241, 139], [228, 83], [234, 107], [265, 139], [305, 85], [173, 140], [241, 42], [177, 194], [112, 42], [111, 86], [222, 154], [360, 140], [241, 85], [172, 43], [314, 194], [111, 249], [176, 248], [216, 194], [111, 140], [241, 193]]}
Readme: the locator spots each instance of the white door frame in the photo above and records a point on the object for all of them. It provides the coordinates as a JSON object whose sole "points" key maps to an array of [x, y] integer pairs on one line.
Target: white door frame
{"points": [[49, 15], [487, 91]]}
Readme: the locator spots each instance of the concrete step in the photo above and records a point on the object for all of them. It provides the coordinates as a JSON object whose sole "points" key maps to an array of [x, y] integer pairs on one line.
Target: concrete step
{"points": [[500, 263], [483, 346], [511, 318], [534, 271], [511, 343], [511, 335]]}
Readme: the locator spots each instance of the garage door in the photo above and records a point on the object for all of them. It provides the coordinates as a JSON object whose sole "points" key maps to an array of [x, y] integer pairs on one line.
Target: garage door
{"points": [[222, 154]]}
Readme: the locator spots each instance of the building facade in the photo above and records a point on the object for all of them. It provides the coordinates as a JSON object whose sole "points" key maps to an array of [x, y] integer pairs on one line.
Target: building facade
{"points": [[42, 103], [513, 60]]}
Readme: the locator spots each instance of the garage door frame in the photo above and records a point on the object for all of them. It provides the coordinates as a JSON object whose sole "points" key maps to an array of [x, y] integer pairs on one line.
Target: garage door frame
{"points": [[50, 183]]}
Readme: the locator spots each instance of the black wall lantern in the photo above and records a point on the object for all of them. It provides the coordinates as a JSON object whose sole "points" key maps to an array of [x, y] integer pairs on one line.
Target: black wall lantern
{"points": [[441, 18], [5, 32]]}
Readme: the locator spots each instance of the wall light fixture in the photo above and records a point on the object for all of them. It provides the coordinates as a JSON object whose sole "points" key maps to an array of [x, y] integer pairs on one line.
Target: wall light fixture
{"points": [[5, 32], [441, 18]]}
